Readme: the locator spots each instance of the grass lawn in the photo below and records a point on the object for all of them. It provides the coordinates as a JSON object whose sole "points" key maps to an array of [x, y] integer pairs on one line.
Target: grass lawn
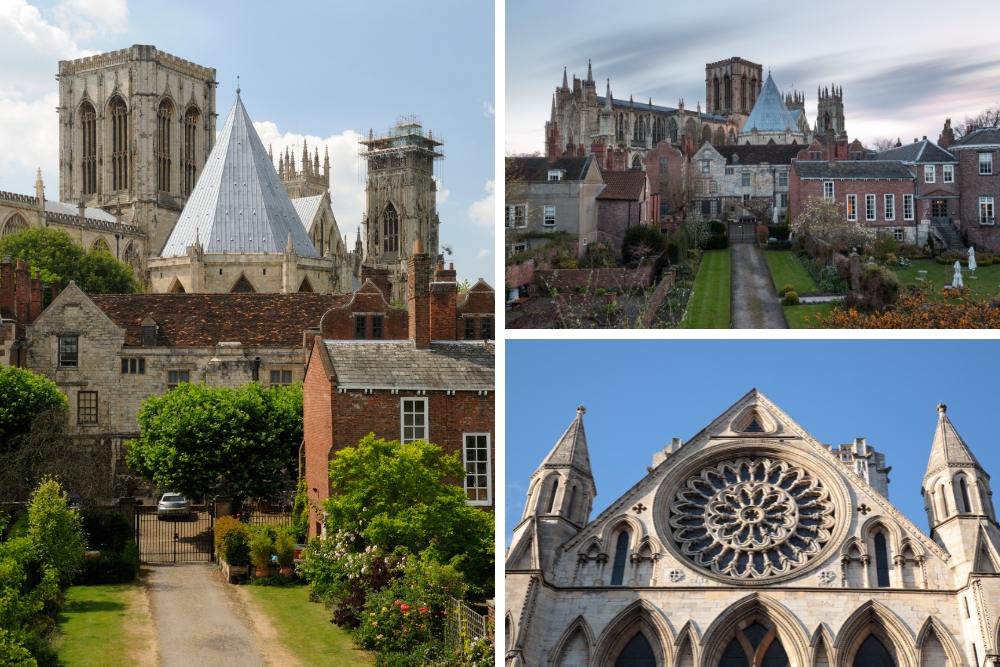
{"points": [[985, 284], [305, 628], [708, 306], [786, 269], [104, 626], [795, 315]]}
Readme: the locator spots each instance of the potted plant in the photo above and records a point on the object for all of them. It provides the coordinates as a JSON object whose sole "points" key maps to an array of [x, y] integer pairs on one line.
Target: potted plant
{"points": [[284, 547], [261, 550]]}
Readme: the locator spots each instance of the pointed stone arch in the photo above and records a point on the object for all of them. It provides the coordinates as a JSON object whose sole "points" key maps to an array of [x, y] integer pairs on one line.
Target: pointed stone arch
{"points": [[100, 245], [118, 146], [521, 549], [933, 628], [756, 607], [985, 562], [639, 616], [306, 286], [509, 627], [874, 618], [635, 526], [389, 222], [14, 224], [131, 256], [565, 643], [819, 647], [243, 286], [687, 646], [176, 287], [637, 162], [755, 421]]}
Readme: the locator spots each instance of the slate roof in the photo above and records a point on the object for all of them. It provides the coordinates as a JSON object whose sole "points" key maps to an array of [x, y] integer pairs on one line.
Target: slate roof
{"points": [[88, 212], [239, 203], [989, 136], [759, 154], [769, 113], [623, 185], [401, 365], [924, 151], [536, 169], [948, 447], [202, 320], [853, 169], [306, 208], [571, 449], [639, 106]]}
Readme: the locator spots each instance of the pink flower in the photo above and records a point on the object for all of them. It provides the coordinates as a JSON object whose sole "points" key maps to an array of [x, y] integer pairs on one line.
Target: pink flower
{"points": [[423, 610], [404, 608]]}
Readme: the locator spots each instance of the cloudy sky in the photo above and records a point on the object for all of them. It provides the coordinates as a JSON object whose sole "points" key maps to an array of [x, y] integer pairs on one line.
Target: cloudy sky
{"points": [[640, 394], [316, 71], [904, 67]]}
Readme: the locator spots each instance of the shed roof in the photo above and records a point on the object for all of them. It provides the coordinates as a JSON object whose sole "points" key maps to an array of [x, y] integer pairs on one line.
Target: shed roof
{"points": [[623, 185]]}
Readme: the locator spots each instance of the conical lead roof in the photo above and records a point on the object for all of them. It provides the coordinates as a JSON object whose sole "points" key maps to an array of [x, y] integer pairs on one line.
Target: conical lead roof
{"points": [[769, 112], [238, 203], [948, 448], [571, 450]]}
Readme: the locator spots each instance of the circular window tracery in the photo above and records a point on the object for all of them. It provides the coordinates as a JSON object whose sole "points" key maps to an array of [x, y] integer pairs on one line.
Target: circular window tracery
{"points": [[752, 518]]}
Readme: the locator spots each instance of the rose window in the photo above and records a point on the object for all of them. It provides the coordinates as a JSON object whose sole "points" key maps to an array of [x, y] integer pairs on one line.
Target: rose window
{"points": [[752, 518]]}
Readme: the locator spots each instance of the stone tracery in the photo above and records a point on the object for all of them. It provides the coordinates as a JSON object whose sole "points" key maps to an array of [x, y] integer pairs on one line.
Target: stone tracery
{"points": [[752, 518]]}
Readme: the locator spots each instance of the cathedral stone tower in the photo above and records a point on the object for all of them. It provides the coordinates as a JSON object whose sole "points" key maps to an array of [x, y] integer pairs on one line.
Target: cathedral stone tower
{"points": [[732, 87], [135, 129], [830, 113], [308, 181], [400, 197]]}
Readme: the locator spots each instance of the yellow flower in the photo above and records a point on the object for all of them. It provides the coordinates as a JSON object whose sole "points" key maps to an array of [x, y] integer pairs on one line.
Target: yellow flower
{"points": [[378, 636]]}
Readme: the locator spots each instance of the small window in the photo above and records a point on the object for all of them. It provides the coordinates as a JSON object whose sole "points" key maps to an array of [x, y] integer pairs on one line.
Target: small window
{"points": [[86, 407], [621, 553], [870, 208], [476, 454], [828, 190], [746, 199], [745, 179], [929, 173], [852, 207], [730, 171], [175, 378], [520, 247], [69, 352], [783, 179], [986, 164], [516, 215], [281, 378], [555, 174], [360, 327], [664, 162], [376, 327], [470, 328], [907, 207], [986, 211], [550, 216], [897, 234], [784, 200], [815, 156], [149, 335], [713, 188], [486, 328], [949, 173], [713, 207], [706, 165], [414, 419], [881, 561], [890, 207], [133, 366]]}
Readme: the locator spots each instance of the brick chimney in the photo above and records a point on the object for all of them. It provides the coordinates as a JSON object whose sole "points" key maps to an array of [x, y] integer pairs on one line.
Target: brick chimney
{"points": [[35, 307], [379, 277], [947, 137], [7, 288], [56, 289], [418, 271], [444, 303], [22, 295]]}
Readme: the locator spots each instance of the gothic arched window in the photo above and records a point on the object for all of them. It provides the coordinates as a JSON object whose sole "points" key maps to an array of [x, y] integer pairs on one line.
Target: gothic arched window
{"points": [[743, 94], [190, 133], [672, 126], [881, 561], [100, 245], [620, 127], [88, 132], [131, 256], [637, 653], [753, 91], [621, 553], [720, 137], [572, 504], [119, 144], [872, 653], [965, 494], [552, 497], [390, 229], [164, 119], [728, 85], [716, 100], [637, 163], [754, 645], [706, 134], [14, 225], [243, 286]]}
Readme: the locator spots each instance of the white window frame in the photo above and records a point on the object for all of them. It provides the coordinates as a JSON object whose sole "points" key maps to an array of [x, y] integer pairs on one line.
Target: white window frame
{"points": [[930, 174], [852, 208], [898, 234], [889, 207], [713, 187], [556, 174], [871, 213], [730, 171], [520, 247], [706, 166], [745, 179], [517, 215], [549, 215], [784, 200], [489, 469], [985, 164], [907, 207], [402, 419], [782, 179], [828, 190], [713, 207], [948, 173], [987, 214]]}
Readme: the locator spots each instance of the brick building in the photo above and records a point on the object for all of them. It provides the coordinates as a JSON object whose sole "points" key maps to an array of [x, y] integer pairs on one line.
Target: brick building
{"points": [[625, 201], [20, 304], [979, 176], [435, 386]]}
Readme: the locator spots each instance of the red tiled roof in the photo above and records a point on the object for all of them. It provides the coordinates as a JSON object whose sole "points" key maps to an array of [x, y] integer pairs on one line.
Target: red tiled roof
{"points": [[202, 320], [623, 185]]}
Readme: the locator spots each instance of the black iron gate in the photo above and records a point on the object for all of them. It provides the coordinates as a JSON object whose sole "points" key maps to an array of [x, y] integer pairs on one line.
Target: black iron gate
{"points": [[742, 232], [174, 539]]}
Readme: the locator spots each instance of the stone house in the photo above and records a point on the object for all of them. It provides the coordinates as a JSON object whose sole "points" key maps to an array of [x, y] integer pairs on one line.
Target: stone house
{"points": [[725, 179], [979, 175], [755, 544], [625, 201], [543, 196], [435, 385]]}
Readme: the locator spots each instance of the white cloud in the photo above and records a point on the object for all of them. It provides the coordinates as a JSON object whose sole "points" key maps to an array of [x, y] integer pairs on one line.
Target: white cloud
{"points": [[347, 191], [482, 212], [86, 18], [488, 109], [485, 252], [442, 193]]}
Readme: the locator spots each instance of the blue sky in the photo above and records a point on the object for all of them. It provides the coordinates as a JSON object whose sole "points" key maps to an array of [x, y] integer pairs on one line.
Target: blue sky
{"points": [[319, 71], [640, 394], [904, 68]]}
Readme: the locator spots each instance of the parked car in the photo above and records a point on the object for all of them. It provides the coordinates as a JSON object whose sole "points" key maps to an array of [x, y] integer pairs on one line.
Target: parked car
{"points": [[173, 505], [74, 501]]}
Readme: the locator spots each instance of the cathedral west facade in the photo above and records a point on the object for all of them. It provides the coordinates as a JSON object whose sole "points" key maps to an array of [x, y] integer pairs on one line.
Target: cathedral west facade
{"points": [[752, 544]]}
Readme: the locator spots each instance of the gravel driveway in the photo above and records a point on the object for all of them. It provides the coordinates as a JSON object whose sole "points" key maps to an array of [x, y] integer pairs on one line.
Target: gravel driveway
{"points": [[753, 303], [199, 620]]}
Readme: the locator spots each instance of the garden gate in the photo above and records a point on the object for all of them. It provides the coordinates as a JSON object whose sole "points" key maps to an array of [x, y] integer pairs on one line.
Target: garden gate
{"points": [[742, 232], [174, 539]]}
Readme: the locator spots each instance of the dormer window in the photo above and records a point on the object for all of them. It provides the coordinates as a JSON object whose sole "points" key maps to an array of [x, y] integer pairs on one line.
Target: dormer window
{"points": [[556, 174], [149, 328], [736, 158]]}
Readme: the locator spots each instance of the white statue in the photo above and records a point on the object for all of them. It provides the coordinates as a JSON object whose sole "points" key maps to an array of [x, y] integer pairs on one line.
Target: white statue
{"points": [[775, 215], [957, 280], [972, 258]]}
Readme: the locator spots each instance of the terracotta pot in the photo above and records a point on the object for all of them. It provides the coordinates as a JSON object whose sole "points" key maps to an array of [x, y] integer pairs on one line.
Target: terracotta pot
{"points": [[262, 573], [287, 572], [611, 296]]}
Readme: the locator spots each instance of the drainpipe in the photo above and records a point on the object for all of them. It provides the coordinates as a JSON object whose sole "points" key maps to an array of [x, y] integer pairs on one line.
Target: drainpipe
{"points": [[256, 369]]}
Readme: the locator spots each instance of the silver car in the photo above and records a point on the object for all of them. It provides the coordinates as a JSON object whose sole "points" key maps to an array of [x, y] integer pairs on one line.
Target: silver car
{"points": [[173, 505]]}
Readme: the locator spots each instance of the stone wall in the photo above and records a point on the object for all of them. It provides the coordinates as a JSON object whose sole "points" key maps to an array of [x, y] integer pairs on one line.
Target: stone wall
{"points": [[609, 279], [520, 274]]}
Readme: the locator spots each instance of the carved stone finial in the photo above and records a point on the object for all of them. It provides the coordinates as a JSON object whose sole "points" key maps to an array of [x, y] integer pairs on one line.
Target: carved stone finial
{"points": [[942, 408], [581, 410]]}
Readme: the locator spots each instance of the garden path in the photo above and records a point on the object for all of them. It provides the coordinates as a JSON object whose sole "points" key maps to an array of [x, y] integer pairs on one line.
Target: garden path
{"points": [[198, 621], [753, 302]]}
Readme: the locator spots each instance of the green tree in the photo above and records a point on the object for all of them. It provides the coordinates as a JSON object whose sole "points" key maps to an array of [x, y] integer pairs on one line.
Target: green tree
{"points": [[194, 433], [403, 495], [56, 531], [23, 396], [642, 241], [57, 256]]}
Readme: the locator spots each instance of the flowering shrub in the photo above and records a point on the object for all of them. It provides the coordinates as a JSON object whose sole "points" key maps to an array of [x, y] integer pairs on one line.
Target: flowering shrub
{"points": [[827, 221]]}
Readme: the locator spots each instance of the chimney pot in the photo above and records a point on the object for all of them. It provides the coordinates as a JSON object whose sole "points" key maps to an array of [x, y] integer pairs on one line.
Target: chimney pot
{"points": [[418, 246]]}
